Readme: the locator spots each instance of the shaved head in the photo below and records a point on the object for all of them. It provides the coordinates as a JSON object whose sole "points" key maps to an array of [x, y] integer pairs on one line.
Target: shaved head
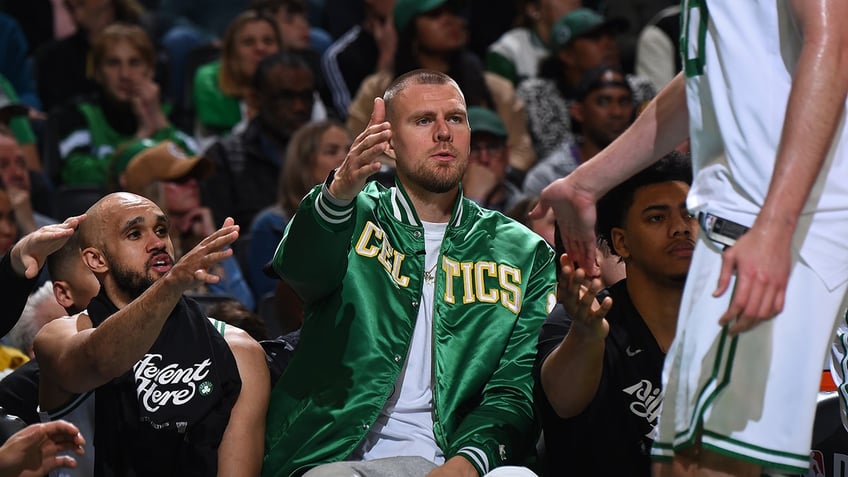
{"points": [[420, 76], [92, 230], [125, 242]]}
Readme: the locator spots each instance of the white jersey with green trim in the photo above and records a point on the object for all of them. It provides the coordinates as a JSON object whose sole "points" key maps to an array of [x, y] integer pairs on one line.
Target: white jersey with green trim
{"points": [[739, 59]]}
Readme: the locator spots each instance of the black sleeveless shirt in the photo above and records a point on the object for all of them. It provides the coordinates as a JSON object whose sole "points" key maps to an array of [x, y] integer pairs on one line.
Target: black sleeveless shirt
{"points": [[168, 414]]}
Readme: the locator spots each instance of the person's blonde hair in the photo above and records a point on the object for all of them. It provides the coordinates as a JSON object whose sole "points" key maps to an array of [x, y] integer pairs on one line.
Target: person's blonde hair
{"points": [[296, 177], [231, 80]]}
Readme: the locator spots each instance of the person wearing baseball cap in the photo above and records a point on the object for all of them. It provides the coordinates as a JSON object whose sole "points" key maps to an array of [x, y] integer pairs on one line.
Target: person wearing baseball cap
{"points": [[602, 109], [485, 181], [517, 53], [146, 162], [165, 174], [583, 23], [581, 40]]}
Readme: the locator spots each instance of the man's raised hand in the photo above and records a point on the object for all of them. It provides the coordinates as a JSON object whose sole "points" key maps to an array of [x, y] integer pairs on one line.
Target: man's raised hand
{"points": [[30, 253], [193, 268], [574, 210], [362, 160]]}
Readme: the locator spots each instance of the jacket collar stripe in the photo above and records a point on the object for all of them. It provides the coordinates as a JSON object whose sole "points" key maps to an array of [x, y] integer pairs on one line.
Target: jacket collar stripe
{"points": [[458, 212], [401, 207], [403, 212]]}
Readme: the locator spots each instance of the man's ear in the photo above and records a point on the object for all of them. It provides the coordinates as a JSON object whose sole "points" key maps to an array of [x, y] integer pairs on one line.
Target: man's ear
{"points": [[94, 260], [391, 150], [619, 242], [63, 294]]}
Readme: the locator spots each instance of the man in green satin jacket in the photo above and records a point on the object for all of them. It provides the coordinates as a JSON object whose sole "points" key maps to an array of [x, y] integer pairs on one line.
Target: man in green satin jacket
{"points": [[422, 308]]}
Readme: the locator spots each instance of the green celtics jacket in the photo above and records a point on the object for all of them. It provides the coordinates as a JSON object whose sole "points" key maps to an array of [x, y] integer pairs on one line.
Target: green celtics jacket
{"points": [[359, 268]]}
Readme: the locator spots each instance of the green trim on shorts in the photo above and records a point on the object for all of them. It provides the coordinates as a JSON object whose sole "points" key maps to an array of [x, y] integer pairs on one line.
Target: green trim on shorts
{"points": [[697, 417], [696, 421], [766, 464], [687, 437]]}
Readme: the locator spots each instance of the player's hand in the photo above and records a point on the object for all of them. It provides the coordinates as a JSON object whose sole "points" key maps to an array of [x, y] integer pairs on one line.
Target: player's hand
{"points": [[193, 268], [362, 160], [761, 261], [33, 451], [30, 252], [574, 209], [579, 298]]}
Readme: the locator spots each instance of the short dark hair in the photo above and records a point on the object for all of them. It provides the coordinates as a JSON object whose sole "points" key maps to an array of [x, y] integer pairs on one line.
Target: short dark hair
{"points": [[613, 207], [60, 262], [287, 59]]}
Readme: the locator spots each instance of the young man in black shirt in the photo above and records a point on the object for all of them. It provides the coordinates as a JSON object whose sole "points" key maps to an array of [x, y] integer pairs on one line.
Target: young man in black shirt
{"points": [[599, 365]]}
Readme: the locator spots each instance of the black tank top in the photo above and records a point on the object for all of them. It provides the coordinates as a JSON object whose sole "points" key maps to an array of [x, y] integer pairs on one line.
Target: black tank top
{"points": [[168, 414]]}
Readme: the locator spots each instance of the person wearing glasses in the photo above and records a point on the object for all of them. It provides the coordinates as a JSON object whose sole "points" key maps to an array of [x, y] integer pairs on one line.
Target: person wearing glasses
{"points": [[485, 181], [282, 94]]}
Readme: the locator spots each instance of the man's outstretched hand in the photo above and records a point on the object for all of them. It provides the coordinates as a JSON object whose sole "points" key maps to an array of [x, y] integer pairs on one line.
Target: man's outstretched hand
{"points": [[574, 209], [362, 160]]}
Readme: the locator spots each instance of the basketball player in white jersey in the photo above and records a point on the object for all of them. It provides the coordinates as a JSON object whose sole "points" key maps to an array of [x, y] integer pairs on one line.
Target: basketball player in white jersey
{"points": [[762, 97]]}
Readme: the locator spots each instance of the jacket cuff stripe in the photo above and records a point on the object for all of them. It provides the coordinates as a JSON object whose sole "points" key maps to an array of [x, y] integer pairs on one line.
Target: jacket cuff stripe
{"points": [[331, 210], [478, 458]]}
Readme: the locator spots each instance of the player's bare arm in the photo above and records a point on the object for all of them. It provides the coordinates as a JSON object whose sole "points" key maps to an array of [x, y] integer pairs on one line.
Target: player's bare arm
{"points": [[761, 258], [659, 129], [362, 159], [580, 356], [243, 443], [78, 358]]}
